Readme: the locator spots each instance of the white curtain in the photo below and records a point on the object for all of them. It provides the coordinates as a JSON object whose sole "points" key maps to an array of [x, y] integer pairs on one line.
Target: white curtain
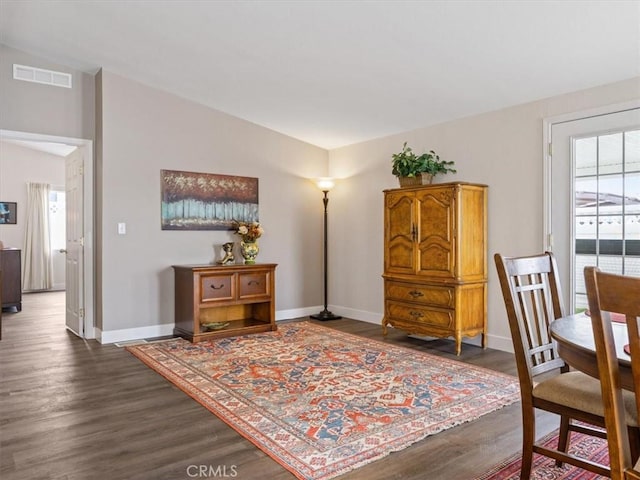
{"points": [[38, 265]]}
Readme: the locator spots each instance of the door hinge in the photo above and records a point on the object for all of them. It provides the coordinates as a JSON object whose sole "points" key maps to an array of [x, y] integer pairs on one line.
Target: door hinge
{"points": [[550, 241], [81, 313], [82, 241], [550, 149]]}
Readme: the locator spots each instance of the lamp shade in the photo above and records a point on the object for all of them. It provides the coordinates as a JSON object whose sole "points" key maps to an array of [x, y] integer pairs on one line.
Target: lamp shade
{"points": [[325, 183]]}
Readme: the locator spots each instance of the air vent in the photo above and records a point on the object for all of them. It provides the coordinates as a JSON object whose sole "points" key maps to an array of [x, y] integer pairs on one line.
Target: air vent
{"points": [[39, 75]]}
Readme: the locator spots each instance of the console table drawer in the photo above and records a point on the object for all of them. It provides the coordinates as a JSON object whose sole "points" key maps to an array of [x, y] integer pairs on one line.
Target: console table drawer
{"points": [[254, 284], [216, 288]]}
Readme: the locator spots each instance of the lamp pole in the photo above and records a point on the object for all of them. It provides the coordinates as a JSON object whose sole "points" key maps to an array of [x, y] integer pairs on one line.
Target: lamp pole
{"points": [[325, 185]]}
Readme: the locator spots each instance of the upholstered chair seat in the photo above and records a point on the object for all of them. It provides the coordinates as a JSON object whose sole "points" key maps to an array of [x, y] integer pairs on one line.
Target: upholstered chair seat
{"points": [[582, 392]]}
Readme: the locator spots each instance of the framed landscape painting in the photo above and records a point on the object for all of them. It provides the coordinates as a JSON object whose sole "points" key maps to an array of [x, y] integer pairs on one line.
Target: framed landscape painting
{"points": [[205, 201], [8, 213]]}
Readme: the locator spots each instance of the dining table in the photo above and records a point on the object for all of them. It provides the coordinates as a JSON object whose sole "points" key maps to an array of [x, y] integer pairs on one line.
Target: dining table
{"points": [[575, 345]]}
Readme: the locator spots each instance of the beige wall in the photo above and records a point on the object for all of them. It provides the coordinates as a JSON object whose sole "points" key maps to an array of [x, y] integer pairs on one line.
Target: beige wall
{"points": [[43, 109], [19, 165], [143, 130], [502, 149], [140, 130]]}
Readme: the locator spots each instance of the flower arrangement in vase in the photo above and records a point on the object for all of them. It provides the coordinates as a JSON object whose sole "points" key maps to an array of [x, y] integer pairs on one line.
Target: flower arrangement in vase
{"points": [[249, 232]]}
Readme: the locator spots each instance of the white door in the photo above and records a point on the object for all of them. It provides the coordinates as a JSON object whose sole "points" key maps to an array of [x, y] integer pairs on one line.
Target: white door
{"points": [[74, 243], [595, 199]]}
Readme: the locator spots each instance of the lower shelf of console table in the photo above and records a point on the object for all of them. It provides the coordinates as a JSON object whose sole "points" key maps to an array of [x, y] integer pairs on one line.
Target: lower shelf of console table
{"points": [[213, 301]]}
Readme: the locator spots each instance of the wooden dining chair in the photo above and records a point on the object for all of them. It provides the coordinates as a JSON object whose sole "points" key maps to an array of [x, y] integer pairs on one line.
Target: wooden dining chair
{"points": [[608, 293], [533, 299]]}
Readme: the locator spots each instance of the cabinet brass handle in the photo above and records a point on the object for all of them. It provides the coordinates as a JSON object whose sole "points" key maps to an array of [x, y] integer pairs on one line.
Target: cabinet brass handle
{"points": [[416, 294], [217, 288], [253, 282], [416, 314]]}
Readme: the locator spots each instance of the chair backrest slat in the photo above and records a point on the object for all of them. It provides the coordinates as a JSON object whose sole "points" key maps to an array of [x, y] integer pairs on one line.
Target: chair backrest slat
{"points": [[531, 289]]}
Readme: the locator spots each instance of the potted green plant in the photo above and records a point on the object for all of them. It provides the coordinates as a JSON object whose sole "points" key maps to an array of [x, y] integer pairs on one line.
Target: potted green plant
{"points": [[412, 169]]}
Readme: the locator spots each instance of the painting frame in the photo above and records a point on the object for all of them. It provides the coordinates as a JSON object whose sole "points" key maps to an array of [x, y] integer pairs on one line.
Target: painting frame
{"points": [[8, 213], [207, 201]]}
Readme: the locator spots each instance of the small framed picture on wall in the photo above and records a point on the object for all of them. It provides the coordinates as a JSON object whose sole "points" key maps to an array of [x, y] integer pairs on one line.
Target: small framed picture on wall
{"points": [[8, 213]]}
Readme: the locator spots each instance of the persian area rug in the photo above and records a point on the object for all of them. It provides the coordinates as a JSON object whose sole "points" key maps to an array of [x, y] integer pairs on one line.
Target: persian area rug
{"points": [[544, 468], [321, 402]]}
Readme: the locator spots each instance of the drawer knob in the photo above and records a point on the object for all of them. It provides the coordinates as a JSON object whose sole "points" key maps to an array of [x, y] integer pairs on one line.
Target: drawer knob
{"points": [[416, 294], [253, 282], [415, 314], [217, 288]]}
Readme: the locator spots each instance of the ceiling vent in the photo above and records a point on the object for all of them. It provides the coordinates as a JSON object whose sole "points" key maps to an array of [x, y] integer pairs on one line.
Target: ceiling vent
{"points": [[39, 75]]}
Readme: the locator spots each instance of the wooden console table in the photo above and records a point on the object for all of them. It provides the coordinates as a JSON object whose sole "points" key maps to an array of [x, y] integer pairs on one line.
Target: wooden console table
{"points": [[214, 301]]}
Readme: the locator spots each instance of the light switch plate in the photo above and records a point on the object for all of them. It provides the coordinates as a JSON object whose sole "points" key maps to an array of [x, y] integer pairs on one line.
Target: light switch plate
{"points": [[122, 228]]}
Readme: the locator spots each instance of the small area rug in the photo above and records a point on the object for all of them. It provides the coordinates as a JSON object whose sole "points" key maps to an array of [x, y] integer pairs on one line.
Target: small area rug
{"points": [[322, 402], [544, 468]]}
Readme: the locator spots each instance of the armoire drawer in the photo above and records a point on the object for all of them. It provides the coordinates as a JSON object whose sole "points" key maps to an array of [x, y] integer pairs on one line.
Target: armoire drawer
{"points": [[417, 314], [424, 294]]}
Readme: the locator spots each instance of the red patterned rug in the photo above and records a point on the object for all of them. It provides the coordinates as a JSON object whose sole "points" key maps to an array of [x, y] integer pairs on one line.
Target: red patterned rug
{"points": [[321, 402], [544, 468]]}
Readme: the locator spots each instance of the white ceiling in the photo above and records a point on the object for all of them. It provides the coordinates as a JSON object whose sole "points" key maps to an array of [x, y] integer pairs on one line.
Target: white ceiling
{"points": [[58, 149], [333, 73]]}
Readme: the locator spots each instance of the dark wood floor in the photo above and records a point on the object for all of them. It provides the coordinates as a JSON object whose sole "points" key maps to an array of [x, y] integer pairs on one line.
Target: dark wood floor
{"points": [[74, 409]]}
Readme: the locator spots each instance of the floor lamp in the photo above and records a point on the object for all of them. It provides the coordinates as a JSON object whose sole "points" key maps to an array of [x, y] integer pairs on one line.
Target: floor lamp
{"points": [[325, 184]]}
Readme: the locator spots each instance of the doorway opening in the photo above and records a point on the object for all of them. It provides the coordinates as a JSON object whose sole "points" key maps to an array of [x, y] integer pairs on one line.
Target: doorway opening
{"points": [[79, 296]]}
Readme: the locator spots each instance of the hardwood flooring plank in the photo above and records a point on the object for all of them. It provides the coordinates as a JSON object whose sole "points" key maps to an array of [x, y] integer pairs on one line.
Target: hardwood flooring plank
{"points": [[76, 410]]}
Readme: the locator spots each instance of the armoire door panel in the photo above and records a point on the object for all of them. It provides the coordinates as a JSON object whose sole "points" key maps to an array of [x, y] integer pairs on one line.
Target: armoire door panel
{"points": [[400, 256], [436, 232], [399, 234], [436, 259]]}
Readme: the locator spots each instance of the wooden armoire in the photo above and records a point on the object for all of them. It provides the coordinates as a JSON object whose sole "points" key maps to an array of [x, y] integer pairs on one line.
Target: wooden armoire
{"points": [[435, 260]]}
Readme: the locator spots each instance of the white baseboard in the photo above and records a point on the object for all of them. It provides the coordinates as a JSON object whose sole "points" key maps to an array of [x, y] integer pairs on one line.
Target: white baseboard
{"points": [[127, 334], [296, 313], [361, 315], [500, 343], [496, 342], [153, 331]]}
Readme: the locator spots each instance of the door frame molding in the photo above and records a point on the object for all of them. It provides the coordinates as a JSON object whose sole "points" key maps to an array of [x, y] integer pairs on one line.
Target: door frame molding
{"points": [[547, 142], [88, 221]]}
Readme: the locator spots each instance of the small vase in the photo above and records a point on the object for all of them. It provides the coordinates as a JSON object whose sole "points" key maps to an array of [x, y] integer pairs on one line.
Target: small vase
{"points": [[249, 252]]}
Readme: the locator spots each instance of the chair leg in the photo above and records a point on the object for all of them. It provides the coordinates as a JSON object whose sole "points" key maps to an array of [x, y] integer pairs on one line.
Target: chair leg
{"points": [[563, 437], [634, 443], [528, 439]]}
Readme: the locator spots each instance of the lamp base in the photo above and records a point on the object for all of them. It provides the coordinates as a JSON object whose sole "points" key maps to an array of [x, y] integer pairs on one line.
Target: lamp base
{"points": [[325, 315]]}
